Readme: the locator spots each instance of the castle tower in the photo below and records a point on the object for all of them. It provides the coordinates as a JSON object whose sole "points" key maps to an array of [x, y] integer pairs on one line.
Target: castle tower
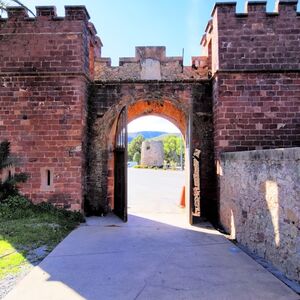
{"points": [[152, 154]]}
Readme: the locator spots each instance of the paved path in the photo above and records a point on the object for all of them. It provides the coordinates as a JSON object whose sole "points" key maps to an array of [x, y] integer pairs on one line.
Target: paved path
{"points": [[153, 256], [154, 191]]}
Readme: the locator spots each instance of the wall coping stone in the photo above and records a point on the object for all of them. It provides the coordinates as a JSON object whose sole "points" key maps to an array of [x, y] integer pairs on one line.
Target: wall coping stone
{"points": [[268, 154]]}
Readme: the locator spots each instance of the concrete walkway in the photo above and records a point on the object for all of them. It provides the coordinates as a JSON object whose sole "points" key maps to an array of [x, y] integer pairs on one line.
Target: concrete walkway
{"points": [[156, 255], [148, 259]]}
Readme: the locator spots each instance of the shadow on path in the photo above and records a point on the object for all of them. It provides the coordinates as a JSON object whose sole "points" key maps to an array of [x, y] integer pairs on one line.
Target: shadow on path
{"points": [[147, 259]]}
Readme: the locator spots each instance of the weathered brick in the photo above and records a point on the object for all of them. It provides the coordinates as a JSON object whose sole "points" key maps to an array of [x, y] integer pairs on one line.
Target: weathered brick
{"points": [[38, 91]]}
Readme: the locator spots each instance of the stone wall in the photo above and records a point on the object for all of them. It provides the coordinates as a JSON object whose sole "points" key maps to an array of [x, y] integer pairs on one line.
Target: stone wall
{"points": [[150, 63], [259, 204], [152, 154], [44, 78]]}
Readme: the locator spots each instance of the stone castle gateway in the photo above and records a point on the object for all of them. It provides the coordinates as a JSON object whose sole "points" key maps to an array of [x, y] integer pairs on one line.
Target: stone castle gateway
{"points": [[62, 104]]}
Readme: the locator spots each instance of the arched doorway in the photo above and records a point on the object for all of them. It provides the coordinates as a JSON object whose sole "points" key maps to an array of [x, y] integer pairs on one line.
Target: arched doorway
{"points": [[163, 108], [156, 172], [186, 104]]}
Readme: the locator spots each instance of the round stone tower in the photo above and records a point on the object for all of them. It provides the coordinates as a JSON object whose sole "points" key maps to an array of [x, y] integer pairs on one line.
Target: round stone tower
{"points": [[152, 154]]}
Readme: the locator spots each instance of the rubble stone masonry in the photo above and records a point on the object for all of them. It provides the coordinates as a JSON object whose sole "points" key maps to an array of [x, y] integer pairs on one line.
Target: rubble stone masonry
{"points": [[260, 204], [153, 59], [152, 154]]}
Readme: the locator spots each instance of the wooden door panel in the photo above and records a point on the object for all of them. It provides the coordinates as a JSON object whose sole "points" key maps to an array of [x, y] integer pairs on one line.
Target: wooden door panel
{"points": [[120, 188]]}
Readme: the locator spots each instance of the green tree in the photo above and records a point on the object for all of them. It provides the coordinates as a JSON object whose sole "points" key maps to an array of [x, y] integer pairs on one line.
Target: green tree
{"points": [[137, 157], [9, 186], [135, 146], [173, 145]]}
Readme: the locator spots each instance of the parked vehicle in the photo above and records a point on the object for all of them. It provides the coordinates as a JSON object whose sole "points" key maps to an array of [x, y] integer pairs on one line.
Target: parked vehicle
{"points": [[131, 164]]}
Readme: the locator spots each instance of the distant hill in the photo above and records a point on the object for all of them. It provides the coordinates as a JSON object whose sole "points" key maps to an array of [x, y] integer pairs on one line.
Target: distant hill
{"points": [[149, 134], [162, 136]]}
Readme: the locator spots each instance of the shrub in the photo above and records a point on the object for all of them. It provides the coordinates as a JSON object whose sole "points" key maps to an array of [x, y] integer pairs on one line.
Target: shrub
{"points": [[18, 201], [45, 207], [141, 167], [17, 207], [135, 146], [137, 157], [9, 187]]}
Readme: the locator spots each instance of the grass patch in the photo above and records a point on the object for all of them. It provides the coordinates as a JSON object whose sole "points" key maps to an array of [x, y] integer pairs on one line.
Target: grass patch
{"points": [[157, 168], [29, 232], [10, 259]]}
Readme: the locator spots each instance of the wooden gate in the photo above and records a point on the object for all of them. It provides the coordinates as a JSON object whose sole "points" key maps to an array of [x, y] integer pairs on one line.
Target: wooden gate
{"points": [[120, 190]]}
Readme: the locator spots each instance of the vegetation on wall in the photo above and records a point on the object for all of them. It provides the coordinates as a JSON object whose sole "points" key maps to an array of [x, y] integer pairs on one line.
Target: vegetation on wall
{"points": [[9, 185]]}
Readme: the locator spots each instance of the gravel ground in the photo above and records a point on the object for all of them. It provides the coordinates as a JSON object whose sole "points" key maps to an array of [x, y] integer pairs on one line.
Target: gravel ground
{"points": [[34, 257], [9, 282]]}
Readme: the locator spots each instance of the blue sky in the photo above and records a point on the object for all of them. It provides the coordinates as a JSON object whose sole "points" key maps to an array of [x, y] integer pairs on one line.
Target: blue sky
{"points": [[124, 24]]}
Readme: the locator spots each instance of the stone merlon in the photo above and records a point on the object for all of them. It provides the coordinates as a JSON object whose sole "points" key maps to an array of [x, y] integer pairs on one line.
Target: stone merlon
{"points": [[150, 63]]}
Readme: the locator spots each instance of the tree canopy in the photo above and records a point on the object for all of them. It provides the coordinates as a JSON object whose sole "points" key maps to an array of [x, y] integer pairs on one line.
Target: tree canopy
{"points": [[135, 146], [137, 157], [173, 145]]}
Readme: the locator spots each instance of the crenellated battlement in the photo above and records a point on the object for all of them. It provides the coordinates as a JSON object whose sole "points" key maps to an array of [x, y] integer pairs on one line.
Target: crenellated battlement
{"points": [[255, 39], [150, 63], [283, 8], [47, 42], [72, 13], [256, 7], [17, 12], [286, 5], [46, 11]]}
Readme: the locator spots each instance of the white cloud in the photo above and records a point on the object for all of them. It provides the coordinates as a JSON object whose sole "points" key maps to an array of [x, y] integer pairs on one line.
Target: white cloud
{"points": [[152, 123]]}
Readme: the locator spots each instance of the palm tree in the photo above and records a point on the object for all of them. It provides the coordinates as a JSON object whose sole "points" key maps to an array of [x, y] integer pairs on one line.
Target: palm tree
{"points": [[4, 4], [8, 186]]}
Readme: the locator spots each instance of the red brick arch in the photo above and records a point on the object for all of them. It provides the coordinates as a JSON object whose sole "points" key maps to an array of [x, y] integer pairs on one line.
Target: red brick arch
{"points": [[187, 104], [165, 108]]}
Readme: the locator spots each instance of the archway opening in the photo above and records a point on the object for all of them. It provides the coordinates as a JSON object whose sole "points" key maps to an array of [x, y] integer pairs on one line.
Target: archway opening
{"points": [[175, 112], [188, 105], [156, 172]]}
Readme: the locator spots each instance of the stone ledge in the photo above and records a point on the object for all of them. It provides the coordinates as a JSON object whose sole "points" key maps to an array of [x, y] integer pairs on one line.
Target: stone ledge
{"points": [[269, 154]]}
